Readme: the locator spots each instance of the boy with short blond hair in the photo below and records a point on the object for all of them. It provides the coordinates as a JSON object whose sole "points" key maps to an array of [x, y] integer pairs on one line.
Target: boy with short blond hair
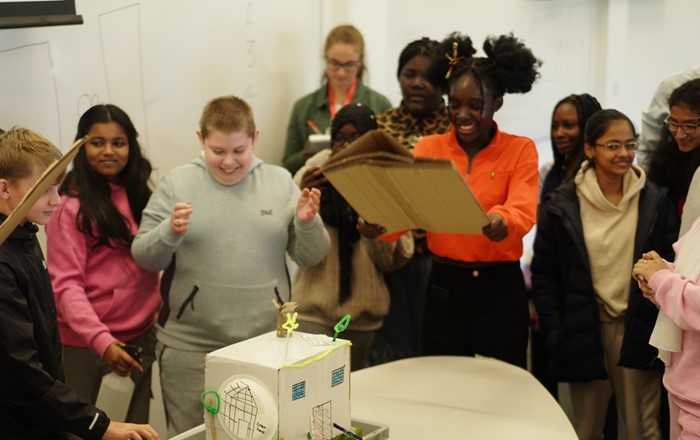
{"points": [[34, 401], [220, 227], [227, 114], [22, 150]]}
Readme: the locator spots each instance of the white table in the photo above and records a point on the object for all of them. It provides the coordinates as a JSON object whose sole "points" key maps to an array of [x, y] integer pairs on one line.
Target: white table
{"points": [[451, 397]]}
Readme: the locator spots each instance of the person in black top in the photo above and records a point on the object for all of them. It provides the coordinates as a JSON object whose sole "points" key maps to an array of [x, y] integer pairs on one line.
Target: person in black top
{"points": [[34, 401]]}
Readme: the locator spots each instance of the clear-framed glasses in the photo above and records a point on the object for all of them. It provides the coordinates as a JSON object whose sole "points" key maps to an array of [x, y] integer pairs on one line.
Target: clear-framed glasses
{"points": [[338, 140], [615, 146], [687, 128], [348, 67]]}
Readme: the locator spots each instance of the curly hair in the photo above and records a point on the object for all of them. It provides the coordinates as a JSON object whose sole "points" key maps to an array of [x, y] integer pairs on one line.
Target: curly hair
{"points": [[97, 215], [668, 165], [509, 65]]}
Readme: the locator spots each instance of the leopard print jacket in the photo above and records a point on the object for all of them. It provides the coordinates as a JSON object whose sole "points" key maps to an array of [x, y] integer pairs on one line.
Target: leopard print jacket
{"points": [[407, 129]]}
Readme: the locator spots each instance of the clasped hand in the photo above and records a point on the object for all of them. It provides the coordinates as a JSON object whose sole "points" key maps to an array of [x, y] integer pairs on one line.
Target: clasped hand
{"points": [[650, 263]]}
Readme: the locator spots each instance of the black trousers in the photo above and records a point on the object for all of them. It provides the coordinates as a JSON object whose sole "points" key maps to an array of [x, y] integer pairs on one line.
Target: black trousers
{"points": [[480, 311]]}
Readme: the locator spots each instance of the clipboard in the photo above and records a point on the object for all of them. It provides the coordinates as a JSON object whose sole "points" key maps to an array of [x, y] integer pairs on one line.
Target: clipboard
{"points": [[47, 179], [316, 143], [388, 186]]}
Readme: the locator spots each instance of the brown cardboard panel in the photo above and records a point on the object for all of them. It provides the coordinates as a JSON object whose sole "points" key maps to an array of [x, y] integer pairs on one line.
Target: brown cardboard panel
{"points": [[390, 187], [371, 142]]}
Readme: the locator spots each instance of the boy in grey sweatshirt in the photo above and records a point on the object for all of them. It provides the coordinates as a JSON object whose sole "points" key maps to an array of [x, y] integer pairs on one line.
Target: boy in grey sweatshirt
{"points": [[220, 227]]}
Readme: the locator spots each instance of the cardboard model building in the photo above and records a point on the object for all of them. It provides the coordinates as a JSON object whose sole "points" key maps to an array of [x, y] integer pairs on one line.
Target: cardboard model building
{"points": [[270, 388]]}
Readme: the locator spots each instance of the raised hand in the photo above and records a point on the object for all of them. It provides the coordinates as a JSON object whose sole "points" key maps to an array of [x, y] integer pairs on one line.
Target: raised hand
{"points": [[308, 204]]}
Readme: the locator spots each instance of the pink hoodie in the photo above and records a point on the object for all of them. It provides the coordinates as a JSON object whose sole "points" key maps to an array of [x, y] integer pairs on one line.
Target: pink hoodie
{"points": [[101, 295], [679, 297]]}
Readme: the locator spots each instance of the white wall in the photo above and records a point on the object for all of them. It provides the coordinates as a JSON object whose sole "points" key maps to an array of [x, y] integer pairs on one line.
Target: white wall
{"points": [[616, 50], [162, 60]]}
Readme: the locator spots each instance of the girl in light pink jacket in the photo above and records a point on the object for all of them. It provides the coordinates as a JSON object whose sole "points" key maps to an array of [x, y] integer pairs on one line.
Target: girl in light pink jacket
{"points": [[675, 289]]}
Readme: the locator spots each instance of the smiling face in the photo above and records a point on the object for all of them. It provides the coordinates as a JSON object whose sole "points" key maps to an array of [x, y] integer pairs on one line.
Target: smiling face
{"points": [[342, 65], [682, 114], [107, 150], [471, 113], [228, 156], [612, 165], [566, 132], [419, 96]]}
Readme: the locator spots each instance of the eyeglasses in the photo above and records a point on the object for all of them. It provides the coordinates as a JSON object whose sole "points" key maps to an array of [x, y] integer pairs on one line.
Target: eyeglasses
{"points": [[341, 140], [348, 67], [615, 146], [687, 128]]}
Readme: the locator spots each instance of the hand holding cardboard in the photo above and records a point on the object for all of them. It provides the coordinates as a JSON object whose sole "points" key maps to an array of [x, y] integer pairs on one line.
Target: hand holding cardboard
{"points": [[387, 186]]}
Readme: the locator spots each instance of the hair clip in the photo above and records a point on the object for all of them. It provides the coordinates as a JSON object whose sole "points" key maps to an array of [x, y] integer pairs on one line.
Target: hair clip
{"points": [[454, 59]]}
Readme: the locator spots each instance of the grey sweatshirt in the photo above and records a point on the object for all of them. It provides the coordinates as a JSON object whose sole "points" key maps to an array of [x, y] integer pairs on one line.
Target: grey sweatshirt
{"points": [[221, 276]]}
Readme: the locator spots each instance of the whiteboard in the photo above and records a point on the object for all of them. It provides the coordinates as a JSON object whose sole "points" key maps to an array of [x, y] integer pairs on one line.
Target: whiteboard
{"points": [[161, 61]]}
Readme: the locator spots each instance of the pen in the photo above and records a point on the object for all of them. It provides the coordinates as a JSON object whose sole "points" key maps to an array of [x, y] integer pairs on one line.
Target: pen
{"points": [[313, 126]]}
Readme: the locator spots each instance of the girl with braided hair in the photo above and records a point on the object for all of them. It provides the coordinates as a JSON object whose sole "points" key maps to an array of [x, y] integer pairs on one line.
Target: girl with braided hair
{"points": [[476, 301], [568, 122], [567, 127]]}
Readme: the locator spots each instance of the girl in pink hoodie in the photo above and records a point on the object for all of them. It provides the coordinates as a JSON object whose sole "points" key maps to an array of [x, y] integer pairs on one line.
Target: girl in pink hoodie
{"points": [[106, 304]]}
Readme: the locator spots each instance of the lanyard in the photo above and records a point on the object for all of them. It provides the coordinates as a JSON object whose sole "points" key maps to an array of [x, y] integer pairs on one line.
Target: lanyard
{"points": [[346, 101]]}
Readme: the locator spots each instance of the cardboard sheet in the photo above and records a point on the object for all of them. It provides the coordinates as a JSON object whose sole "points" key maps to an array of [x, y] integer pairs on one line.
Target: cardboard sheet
{"points": [[386, 185]]}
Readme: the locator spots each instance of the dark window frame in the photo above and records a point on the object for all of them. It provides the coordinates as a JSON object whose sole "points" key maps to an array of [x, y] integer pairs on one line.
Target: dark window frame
{"points": [[42, 13]]}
